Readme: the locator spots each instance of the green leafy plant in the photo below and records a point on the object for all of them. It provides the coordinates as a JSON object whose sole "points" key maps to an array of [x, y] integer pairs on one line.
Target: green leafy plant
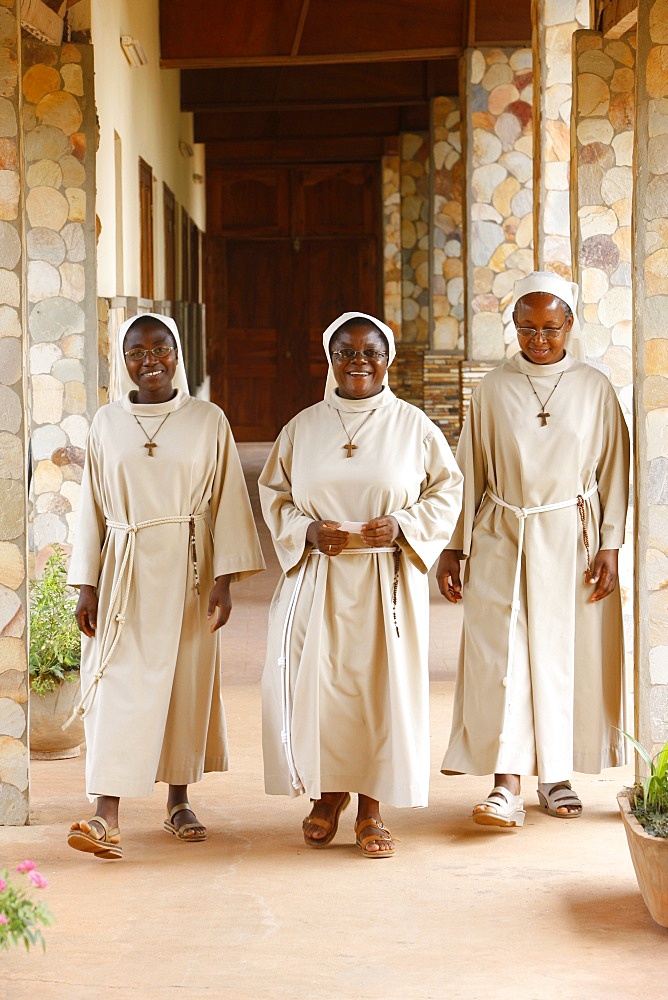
{"points": [[19, 913], [649, 798], [55, 640]]}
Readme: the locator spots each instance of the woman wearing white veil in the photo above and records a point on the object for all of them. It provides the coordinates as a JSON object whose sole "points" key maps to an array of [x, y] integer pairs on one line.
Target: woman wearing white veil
{"points": [[359, 492], [164, 527], [545, 456]]}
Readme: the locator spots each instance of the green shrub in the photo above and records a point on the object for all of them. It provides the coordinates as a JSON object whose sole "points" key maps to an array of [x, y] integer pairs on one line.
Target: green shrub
{"points": [[649, 798], [55, 640]]}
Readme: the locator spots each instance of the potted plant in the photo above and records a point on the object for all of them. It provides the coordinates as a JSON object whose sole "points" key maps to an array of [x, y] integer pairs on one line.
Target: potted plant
{"points": [[644, 809], [55, 656]]}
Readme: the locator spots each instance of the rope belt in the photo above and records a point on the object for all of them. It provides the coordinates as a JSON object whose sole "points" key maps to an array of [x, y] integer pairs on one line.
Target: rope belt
{"points": [[126, 570], [284, 658], [521, 513]]}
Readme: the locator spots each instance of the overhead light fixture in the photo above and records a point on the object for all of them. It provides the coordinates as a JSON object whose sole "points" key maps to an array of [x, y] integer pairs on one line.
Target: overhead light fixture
{"points": [[41, 21], [134, 51]]}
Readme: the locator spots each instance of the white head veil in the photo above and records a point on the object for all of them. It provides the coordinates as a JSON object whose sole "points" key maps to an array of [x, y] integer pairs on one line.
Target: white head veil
{"points": [[330, 385], [567, 291], [121, 381]]}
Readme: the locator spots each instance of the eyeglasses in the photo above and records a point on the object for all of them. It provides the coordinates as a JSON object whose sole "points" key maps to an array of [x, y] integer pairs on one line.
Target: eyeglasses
{"points": [[347, 354], [550, 334], [138, 353]]}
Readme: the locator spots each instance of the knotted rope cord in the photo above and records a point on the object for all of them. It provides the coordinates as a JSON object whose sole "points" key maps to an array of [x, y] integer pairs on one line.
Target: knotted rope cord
{"points": [[284, 658], [127, 564], [521, 513]]}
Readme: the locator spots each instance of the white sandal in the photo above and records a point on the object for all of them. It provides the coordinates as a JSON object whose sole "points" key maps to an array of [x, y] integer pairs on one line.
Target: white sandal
{"points": [[557, 794], [501, 808]]}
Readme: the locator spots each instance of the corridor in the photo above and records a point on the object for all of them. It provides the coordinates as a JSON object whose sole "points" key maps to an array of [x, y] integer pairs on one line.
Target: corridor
{"points": [[460, 913]]}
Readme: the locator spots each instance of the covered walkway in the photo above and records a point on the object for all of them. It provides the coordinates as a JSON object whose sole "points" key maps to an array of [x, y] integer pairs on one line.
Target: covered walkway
{"points": [[460, 913]]}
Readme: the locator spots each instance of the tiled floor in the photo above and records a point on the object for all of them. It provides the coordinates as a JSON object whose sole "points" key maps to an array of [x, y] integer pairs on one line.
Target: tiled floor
{"points": [[460, 913]]}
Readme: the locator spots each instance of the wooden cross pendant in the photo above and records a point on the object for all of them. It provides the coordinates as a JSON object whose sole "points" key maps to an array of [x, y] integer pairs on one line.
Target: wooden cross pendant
{"points": [[542, 416], [150, 445], [350, 447]]}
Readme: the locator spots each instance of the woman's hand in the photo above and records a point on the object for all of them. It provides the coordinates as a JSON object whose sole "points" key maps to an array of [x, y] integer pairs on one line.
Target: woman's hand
{"points": [[447, 575], [86, 610], [219, 599], [380, 531], [604, 573], [326, 537]]}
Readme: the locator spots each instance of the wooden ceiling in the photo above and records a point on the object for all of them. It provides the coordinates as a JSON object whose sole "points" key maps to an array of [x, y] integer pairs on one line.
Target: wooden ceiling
{"points": [[295, 80]]}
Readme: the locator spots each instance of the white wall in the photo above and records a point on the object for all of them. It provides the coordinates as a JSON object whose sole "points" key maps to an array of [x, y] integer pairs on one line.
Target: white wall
{"points": [[142, 106]]}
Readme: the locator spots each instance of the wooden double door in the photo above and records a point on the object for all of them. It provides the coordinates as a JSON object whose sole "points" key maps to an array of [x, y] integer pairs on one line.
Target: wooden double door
{"points": [[288, 250]]}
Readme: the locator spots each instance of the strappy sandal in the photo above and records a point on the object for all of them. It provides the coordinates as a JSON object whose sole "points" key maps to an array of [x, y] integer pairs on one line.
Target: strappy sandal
{"points": [[556, 795], [502, 809], [330, 826], [82, 837], [380, 834], [180, 832]]}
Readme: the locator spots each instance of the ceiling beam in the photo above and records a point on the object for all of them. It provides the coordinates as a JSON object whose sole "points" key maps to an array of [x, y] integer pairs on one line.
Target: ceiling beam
{"points": [[618, 17], [321, 59], [367, 149]]}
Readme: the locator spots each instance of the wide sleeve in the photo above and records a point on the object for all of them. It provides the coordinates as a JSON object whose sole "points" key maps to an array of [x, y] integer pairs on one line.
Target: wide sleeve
{"points": [[612, 474], [471, 461], [427, 525], [236, 546], [286, 522], [85, 563]]}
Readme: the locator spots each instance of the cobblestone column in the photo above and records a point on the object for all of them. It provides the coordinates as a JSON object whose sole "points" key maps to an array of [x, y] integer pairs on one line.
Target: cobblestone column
{"points": [[14, 759], [392, 243], [60, 133], [650, 275], [499, 172], [554, 23], [601, 200]]}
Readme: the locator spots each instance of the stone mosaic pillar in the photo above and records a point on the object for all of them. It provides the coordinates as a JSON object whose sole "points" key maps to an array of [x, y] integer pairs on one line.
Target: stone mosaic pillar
{"points": [[407, 378], [554, 23], [14, 759], [447, 207], [650, 275], [392, 243], [441, 362], [602, 197], [499, 172], [60, 131]]}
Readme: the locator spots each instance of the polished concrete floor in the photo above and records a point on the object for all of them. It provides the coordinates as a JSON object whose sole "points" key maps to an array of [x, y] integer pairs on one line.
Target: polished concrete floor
{"points": [[460, 913]]}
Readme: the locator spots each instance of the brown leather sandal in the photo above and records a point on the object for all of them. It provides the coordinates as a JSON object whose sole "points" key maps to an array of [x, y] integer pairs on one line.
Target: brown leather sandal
{"points": [[83, 837], [381, 833], [330, 826]]}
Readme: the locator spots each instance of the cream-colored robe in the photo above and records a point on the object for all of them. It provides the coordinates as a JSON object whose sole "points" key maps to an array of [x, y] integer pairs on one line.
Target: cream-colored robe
{"points": [[360, 713], [158, 711], [564, 699]]}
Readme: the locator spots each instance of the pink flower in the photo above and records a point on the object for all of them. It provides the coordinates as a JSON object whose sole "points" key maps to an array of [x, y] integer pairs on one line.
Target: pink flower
{"points": [[3, 919], [26, 866], [3, 885], [38, 880]]}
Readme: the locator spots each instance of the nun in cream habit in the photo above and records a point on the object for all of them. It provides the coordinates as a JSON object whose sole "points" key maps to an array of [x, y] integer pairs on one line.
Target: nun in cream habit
{"points": [[164, 526], [545, 456], [345, 685]]}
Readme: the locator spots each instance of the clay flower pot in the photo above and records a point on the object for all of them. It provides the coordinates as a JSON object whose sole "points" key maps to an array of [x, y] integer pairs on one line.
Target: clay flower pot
{"points": [[48, 712], [650, 860]]}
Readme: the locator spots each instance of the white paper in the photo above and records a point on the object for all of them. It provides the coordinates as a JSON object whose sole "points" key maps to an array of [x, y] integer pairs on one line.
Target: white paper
{"points": [[352, 527]]}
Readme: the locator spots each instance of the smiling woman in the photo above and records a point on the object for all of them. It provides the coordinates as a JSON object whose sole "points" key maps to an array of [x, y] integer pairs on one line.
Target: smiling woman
{"points": [[359, 493], [158, 544]]}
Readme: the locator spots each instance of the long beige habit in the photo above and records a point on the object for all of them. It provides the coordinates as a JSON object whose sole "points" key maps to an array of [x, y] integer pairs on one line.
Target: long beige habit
{"points": [[359, 718], [554, 709], [157, 713]]}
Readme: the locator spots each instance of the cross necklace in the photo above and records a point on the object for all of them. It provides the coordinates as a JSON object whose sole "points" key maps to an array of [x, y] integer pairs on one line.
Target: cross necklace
{"points": [[543, 415], [350, 447], [151, 445]]}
